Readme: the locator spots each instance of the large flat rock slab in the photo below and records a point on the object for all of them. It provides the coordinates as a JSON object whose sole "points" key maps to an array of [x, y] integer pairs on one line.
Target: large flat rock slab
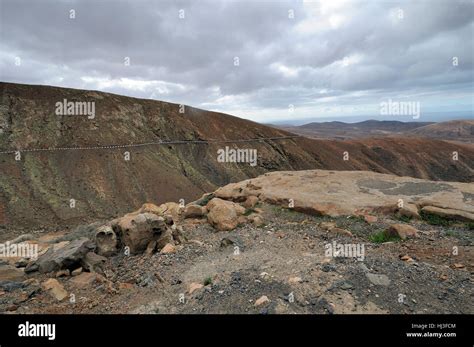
{"points": [[338, 193]]}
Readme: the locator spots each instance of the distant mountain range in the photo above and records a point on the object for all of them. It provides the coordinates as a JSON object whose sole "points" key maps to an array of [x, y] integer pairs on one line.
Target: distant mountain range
{"points": [[457, 130]]}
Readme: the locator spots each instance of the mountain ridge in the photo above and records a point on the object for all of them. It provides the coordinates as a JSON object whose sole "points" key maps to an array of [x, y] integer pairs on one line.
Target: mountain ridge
{"points": [[37, 190]]}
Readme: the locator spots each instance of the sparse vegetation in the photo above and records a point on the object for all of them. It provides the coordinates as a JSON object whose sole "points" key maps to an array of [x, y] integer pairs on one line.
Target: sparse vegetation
{"points": [[434, 219], [382, 236], [249, 211], [402, 218], [207, 281], [203, 201], [356, 218]]}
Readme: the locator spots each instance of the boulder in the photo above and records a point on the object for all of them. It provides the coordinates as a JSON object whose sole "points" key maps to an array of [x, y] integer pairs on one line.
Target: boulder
{"points": [[449, 213], [403, 231], [224, 215], [232, 191], [106, 241], [55, 289], [409, 210], [193, 211], [136, 231], [173, 209], [66, 257], [256, 220], [93, 262], [250, 202], [151, 208]]}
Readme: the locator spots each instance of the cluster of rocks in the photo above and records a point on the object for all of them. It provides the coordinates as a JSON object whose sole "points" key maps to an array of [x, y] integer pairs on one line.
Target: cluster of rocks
{"points": [[159, 228], [148, 230]]}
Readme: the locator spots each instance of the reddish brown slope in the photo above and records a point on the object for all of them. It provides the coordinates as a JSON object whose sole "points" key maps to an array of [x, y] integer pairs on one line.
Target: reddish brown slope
{"points": [[36, 191]]}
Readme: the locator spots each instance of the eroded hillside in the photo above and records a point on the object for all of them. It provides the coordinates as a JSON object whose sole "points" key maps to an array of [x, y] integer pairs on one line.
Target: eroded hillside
{"points": [[36, 191]]}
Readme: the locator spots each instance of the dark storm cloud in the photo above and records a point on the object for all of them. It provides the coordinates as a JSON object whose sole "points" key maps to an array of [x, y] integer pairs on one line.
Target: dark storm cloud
{"points": [[331, 52]]}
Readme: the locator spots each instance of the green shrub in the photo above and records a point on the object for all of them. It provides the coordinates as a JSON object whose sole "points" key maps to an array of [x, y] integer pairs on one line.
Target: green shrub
{"points": [[382, 236], [434, 219]]}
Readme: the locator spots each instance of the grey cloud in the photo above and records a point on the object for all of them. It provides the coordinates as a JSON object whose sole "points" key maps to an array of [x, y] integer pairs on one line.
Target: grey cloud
{"points": [[282, 60]]}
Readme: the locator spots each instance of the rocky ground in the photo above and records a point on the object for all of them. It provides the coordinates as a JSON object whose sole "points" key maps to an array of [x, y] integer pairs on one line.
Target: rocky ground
{"points": [[244, 254]]}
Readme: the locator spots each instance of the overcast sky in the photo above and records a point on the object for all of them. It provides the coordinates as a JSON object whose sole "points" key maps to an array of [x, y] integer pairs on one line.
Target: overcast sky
{"points": [[262, 60]]}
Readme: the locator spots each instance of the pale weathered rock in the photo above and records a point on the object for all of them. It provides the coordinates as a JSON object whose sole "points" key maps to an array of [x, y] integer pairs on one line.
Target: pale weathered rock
{"points": [[66, 257], [136, 231], [224, 215], [173, 209], [62, 273], [168, 249], [151, 208], [194, 286], [256, 220], [449, 213], [315, 192], [409, 210], [76, 272], [232, 191], [262, 300], [106, 241], [193, 211], [250, 202], [403, 231], [55, 289]]}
